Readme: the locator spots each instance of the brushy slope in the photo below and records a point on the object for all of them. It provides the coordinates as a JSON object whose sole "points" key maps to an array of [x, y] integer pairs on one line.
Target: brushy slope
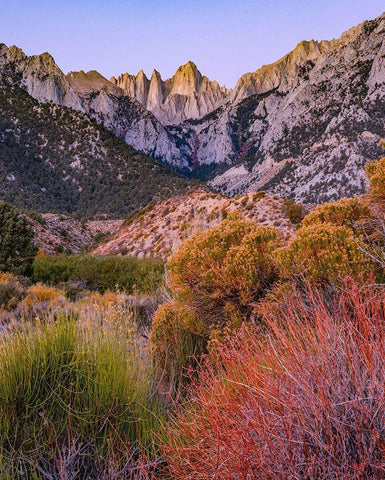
{"points": [[53, 158], [160, 229]]}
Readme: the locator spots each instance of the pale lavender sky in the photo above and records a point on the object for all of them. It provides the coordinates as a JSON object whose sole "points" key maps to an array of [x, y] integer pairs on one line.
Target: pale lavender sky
{"points": [[224, 38]]}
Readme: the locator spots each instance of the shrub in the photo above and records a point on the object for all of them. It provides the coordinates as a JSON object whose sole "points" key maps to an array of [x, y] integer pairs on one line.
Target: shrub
{"points": [[71, 387], [17, 249], [305, 401], [349, 212], [294, 211], [42, 293], [178, 339], [54, 269], [11, 291], [98, 272], [324, 253], [218, 273], [375, 171]]}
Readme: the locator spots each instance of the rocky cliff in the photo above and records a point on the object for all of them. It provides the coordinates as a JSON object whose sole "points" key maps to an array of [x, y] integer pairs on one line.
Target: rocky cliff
{"points": [[53, 157], [304, 126], [187, 94], [92, 94]]}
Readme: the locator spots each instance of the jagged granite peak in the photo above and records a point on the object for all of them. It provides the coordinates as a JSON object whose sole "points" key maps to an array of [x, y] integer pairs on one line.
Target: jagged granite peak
{"points": [[155, 93], [187, 80], [39, 75], [186, 95], [125, 116], [92, 94], [304, 126], [283, 73], [54, 157]]}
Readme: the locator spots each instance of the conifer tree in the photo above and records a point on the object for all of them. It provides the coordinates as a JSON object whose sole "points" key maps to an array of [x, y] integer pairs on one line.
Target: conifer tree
{"points": [[17, 250]]}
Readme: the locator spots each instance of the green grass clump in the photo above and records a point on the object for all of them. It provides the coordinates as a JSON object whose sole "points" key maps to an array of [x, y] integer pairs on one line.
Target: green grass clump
{"points": [[101, 272], [65, 384]]}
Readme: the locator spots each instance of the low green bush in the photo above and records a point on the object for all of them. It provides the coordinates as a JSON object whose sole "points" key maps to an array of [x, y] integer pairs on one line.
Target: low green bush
{"points": [[100, 272]]}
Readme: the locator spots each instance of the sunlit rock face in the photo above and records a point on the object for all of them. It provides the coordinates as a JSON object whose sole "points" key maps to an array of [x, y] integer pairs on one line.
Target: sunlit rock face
{"points": [[93, 94], [39, 75], [304, 126], [186, 95]]}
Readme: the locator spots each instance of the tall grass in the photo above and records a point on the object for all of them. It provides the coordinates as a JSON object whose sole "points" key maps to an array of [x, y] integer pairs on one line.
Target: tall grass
{"points": [[76, 396], [304, 400]]}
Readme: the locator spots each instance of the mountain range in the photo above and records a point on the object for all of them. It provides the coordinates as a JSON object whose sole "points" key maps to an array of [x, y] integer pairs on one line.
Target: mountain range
{"points": [[302, 127], [54, 158]]}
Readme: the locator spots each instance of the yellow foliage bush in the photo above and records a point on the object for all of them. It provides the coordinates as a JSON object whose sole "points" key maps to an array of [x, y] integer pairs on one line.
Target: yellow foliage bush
{"points": [[95, 298], [39, 293], [375, 171], [11, 291], [177, 339], [322, 253], [349, 212], [218, 273]]}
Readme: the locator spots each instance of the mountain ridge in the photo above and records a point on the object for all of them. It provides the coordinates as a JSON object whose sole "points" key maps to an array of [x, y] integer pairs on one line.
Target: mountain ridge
{"points": [[54, 158], [302, 127], [187, 94]]}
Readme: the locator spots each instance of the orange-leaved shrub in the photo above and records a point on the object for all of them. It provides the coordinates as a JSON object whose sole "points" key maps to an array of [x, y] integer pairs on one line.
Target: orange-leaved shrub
{"points": [[39, 293], [11, 291], [375, 170], [348, 212], [323, 252], [305, 400], [219, 273], [178, 339], [215, 277]]}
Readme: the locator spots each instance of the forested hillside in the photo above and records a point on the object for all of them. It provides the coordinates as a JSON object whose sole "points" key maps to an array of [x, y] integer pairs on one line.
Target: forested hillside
{"points": [[53, 158]]}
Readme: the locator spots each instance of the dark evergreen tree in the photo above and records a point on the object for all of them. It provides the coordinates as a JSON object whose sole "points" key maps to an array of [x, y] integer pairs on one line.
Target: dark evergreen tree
{"points": [[17, 250]]}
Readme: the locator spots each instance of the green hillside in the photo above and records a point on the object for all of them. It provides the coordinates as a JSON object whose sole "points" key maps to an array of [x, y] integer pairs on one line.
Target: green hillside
{"points": [[53, 158]]}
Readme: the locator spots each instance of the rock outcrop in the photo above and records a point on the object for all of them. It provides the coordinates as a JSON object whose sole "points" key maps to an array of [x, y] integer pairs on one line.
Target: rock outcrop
{"points": [[56, 158], [61, 233], [92, 94], [125, 116], [186, 95], [39, 75]]}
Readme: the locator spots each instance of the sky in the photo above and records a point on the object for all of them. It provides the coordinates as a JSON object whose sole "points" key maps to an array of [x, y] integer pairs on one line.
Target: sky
{"points": [[224, 38]]}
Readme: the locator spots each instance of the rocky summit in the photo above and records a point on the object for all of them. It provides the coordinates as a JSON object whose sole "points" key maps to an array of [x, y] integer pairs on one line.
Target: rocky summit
{"points": [[303, 127], [188, 94]]}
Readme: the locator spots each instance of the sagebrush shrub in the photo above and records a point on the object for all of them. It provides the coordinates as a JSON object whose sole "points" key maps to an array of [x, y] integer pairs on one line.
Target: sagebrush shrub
{"points": [[323, 252], [178, 339], [218, 273], [348, 212], [11, 291], [39, 292], [375, 171], [294, 211]]}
